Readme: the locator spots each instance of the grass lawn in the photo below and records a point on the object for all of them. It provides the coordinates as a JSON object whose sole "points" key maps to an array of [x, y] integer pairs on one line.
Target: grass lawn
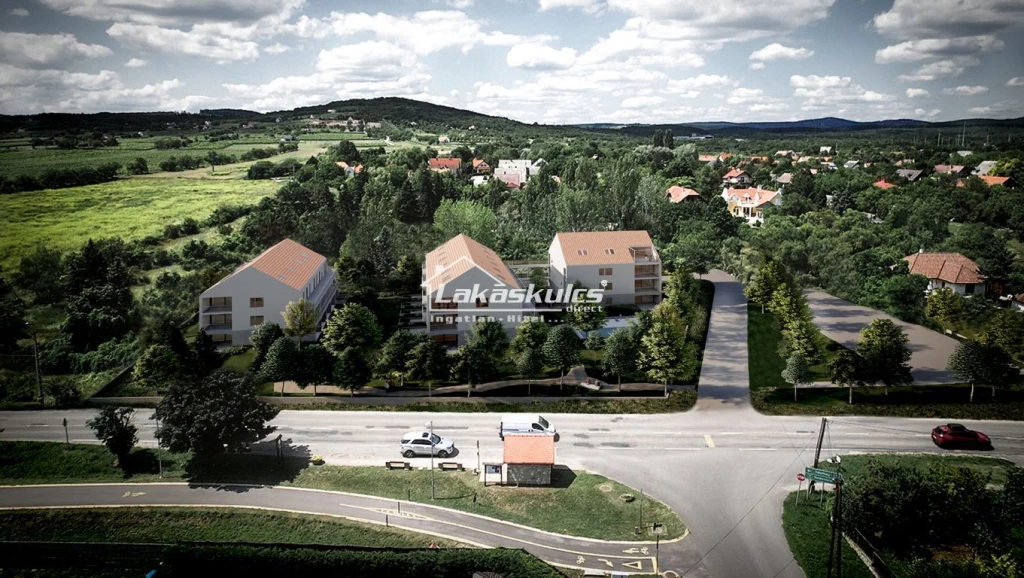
{"points": [[128, 208], [855, 465], [808, 532], [169, 525], [241, 362], [578, 503], [937, 401], [763, 346]]}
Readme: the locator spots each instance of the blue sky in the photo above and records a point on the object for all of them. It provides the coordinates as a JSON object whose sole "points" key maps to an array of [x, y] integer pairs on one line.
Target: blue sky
{"points": [[550, 61]]}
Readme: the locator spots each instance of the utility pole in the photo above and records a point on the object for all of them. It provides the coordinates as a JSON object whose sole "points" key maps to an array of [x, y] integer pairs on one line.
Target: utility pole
{"points": [[817, 449], [39, 379]]}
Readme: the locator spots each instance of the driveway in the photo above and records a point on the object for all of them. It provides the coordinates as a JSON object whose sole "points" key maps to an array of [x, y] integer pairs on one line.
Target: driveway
{"points": [[841, 321]]}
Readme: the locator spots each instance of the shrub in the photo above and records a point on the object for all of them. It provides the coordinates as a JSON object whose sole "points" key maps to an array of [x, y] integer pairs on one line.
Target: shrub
{"points": [[64, 392], [115, 353], [190, 226], [55, 355]]}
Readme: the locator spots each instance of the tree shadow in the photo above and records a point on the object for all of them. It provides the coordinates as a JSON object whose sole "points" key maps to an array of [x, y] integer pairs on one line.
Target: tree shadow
{"points": [[259, 467], [143, 461], [562, 476]]}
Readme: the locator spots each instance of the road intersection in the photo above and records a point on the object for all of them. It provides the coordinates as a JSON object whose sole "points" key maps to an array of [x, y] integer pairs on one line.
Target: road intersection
{"points": [[723, 467]]}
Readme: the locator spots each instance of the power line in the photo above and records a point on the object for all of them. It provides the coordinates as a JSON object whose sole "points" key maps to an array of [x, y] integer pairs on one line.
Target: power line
{"points": [[752, 508]]}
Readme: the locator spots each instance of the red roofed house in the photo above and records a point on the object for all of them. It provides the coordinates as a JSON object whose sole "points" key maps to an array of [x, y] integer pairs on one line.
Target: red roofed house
{"points": [[349, 169], [992, 180], [528, 459], [958, 170], [480, 167], [736, 177], [260, 290], [883, 184], [446, 165], [677, 194], [750, 203], [951, 270]]}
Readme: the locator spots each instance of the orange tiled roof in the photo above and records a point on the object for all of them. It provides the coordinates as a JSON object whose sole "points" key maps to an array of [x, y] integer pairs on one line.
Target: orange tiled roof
{"points": [[948, 267], [460, 254], [445, 163], [757, 197], [677, 193], [883, 184], [529, 449], [734, 173], [288, 262], [478, 162], [993, 180], [602, 247]]}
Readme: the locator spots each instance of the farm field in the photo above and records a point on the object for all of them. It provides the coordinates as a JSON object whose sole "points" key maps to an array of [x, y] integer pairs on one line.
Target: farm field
{"points": [[128, 208]]}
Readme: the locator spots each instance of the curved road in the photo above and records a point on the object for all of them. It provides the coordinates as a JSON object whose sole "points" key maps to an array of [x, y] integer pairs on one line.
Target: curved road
{"points": [[723, 467]]}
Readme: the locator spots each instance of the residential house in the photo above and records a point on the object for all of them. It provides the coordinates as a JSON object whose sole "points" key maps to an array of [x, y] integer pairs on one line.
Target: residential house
{"points": [[910, 175], [350, 170], [512, 178], [883, 184], [443, 139], [678, 194], [736, 177], [260, 290], [709, 159], [478, 180], [784, 178], [526, 168], [851, 164], [955, 170], [789, 154], [448, 165], [528, 459], [288, 138], [992, 180], [965, 153], [480, 167], [750, 203], [826, 150], [463, 282], [625, 264], [984, 168], [951, 270]]}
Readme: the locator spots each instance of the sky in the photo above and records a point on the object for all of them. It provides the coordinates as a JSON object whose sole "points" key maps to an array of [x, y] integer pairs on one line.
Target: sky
{"points": [[546, 61]]}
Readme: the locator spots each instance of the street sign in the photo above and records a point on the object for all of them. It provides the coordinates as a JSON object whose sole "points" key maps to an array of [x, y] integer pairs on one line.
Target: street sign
{"points": [[819, 475], [800, 477]]}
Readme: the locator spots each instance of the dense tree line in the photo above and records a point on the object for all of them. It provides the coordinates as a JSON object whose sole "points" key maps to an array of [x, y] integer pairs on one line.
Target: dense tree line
{"points": [[60, 178]]}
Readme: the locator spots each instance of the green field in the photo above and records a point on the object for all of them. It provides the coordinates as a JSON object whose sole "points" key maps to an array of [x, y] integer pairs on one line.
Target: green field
{"points": [[578, 503], [128, 208], [153, 525]]}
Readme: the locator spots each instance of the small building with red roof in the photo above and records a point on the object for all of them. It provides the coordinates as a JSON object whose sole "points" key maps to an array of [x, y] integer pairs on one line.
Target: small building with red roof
{"points": [[948, 270], [528, 459], [445, 165], [883, 184], [736, 176], [677, 194], [480, 167]]}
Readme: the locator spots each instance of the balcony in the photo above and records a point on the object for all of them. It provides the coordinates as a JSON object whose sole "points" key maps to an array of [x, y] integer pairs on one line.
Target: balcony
{"points": [[217, 309], [646, 288], [644, 255], [646, 272], [218, 328]]}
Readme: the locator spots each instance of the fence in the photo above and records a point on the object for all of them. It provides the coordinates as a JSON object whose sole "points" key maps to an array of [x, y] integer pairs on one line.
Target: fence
{"points": [[878, 565]]}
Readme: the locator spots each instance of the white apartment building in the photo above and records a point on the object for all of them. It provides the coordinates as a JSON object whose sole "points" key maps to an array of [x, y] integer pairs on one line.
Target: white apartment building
{"points": [[523, 169], [623, 263], [463, 282], [260, 290]]}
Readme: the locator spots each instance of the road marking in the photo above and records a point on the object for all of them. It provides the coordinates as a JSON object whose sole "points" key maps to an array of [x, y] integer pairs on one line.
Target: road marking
{"points": [[133, 494], [580, 560], [709, 441], [636, 551], [757, 449], [639, 564], [730, 433], [857, 434]]}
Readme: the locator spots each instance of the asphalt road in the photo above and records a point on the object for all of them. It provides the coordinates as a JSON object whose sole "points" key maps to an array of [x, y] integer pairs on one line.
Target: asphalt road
{"points": [[723, 467], [842, 321]]}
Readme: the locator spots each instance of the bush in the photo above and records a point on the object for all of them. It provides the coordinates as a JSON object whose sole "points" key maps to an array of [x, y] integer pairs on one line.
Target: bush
{"points": [[172, 231], [190, 226], [225, 214], [55, 355], [64, 392], [112, 354]]}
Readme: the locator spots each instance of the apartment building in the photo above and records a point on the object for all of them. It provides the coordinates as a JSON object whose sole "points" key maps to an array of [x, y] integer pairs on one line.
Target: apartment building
{"points": [[260, 290], [625, 264]]}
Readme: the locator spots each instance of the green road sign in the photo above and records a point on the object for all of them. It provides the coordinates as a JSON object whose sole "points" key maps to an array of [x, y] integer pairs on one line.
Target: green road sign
{"points": [[824, 476]]}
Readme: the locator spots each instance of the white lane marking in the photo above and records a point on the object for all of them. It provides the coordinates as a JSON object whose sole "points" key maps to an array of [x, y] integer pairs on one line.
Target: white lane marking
{"points": [[730, 433], [757, 449], [649, 449], [709, 441]]}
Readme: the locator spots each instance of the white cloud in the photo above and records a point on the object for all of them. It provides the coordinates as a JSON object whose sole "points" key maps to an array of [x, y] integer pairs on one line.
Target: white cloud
{"points": [[642, 101], [916, 50], [42, 49], [940, 69], [728, 18], [916, 19], [460, 4], [587, 6], [640, 44], [540, 57], [756, 66], [136, 63], [766, 107], [206, 40], [179, 12], [18, 12], [917, 93], [831, 91], [1015, 81], [920, 112], [966, 90], [776, 51], [701, 82], [276, 48], [366, 60], [746, 96], [1003, 109]]}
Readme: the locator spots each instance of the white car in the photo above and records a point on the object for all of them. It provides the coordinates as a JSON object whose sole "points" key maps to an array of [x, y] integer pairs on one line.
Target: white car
{"points": [[420, 443]]}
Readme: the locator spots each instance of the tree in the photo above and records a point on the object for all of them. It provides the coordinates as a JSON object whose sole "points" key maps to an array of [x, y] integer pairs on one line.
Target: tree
{"points": [[262, 338], [12, 317], [351, 369], [846, 370], [315, 366], [529, 335], [470, 218], [166, 332], [218, 413], [300, 318], [883, 347], [281, 362], [530, 365], [472, 365], [490, 336], [797, 372], [1005, 329], [976, 362], [428, 361], [203, 355], [683, 290], [945, 306], [562, 349], [139, 166], [113, 426], [39, 272], [665, 355], [620, 354], [351, 326], [395, 355], [769, 277], [585, 316], [157, 367]]}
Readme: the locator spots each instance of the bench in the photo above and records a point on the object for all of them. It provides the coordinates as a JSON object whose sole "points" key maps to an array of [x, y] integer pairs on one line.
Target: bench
{"points": [[450, 466], [397, 465]]}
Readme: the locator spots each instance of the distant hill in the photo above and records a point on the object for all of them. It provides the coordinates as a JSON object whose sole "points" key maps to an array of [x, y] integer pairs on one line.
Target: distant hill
{"points": [[816, 125]]}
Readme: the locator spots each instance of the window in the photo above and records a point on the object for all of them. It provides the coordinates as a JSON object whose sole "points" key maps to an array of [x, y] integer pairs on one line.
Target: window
{"points": [[255, 302], [445, 339], [221, 338], [604, 271], [220, 302], [609, 251], [582, 252], [607, 287], [255, 320], [969, 289]]}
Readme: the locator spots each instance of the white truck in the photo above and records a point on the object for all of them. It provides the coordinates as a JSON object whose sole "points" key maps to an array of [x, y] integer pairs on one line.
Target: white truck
{"points": [[526, 424]]}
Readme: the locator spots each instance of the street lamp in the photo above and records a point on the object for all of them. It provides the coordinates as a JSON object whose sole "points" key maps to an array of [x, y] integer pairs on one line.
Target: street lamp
{"points": [[430, 424]]}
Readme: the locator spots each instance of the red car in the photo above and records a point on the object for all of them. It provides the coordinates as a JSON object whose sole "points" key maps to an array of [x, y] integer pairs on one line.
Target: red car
{"points": [[956, 436]]}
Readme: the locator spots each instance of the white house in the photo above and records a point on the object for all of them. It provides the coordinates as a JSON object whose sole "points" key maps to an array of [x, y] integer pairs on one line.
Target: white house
{"points": [[524, 167], [750, 203], [260, 290], [951, 270], [625, 264], [463, 282]]}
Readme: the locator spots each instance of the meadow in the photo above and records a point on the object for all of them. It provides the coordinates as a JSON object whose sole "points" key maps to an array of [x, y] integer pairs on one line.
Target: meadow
{"points": [[128, 208]]}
